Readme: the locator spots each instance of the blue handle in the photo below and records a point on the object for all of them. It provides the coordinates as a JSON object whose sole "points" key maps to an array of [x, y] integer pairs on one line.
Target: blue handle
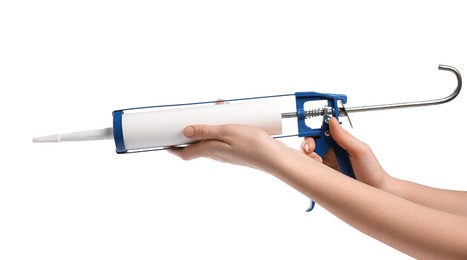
{"points": [[322, 135]]}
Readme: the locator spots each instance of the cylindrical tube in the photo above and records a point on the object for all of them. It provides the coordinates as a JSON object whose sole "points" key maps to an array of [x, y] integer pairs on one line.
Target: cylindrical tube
{"points": [[140, 129]]}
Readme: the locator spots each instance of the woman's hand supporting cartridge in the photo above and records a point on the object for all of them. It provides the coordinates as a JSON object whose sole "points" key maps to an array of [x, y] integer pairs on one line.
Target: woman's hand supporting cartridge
{"points": [[421, 221]]}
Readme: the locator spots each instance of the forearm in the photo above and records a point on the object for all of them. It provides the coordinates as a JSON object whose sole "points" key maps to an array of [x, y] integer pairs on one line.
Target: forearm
{"points": [[451, 201], [411, 228]]}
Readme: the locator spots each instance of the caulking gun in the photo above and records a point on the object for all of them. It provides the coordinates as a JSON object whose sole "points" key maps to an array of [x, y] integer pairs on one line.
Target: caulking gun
{"points": [[158, 127]]}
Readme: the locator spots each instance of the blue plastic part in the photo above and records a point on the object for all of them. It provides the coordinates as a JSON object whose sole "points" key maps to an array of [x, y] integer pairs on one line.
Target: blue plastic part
{"points": [[322, 136], [118, 131], [302, 97]]}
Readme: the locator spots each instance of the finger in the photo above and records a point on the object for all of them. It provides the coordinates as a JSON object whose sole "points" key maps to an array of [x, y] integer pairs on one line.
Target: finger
{"points": [[178, 151], [221, 102], [345, 139], [316, 157], [192, 151], [330, 160], [208, 137], [186, 153], [203, 132], [308, 147]]}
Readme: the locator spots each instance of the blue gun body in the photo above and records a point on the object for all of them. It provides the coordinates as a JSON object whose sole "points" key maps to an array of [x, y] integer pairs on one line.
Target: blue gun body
{"points": [[322, 135]]}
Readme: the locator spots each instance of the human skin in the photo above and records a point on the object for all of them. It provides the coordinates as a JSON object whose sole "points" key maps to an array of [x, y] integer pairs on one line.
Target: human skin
{"points": [[429, 223]]}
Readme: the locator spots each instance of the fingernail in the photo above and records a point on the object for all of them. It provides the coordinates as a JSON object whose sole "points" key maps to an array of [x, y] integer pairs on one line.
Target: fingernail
{"points": [[189, 131], [306, 147]]}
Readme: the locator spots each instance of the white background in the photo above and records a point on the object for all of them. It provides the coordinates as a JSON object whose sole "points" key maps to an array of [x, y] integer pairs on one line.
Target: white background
{"points": [[66, 65]]}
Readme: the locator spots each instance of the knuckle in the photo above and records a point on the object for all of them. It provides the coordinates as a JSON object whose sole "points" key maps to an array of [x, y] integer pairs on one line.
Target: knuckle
{"points": [[364, 149], [203, 132]]}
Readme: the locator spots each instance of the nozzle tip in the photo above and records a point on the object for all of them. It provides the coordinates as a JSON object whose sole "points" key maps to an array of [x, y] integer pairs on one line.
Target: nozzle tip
{"points": [[47, 139]]}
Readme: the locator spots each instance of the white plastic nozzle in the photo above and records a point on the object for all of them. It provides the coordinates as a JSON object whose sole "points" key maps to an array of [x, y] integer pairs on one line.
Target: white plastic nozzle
{"points": [[90, 135]]}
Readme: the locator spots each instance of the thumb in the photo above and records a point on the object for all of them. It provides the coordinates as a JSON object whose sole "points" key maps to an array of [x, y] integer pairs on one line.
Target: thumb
{"points": [[345, 139], [202, 132]]}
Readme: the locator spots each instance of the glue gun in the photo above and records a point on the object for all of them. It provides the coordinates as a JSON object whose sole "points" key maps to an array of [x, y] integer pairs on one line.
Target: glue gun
{"points": [[153, 128]]}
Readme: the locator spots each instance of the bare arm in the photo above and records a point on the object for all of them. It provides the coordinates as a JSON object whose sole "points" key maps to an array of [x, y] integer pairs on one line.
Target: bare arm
{"points": [[416, 230], [446, 200], [412, 228]]}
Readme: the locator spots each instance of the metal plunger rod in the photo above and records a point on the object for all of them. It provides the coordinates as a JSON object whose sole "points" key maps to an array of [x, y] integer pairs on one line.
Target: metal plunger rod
{"points": [[342, 112]]}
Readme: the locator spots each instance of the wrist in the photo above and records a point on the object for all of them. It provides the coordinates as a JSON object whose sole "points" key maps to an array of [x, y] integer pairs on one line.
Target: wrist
{"points": [[388, 184]]}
